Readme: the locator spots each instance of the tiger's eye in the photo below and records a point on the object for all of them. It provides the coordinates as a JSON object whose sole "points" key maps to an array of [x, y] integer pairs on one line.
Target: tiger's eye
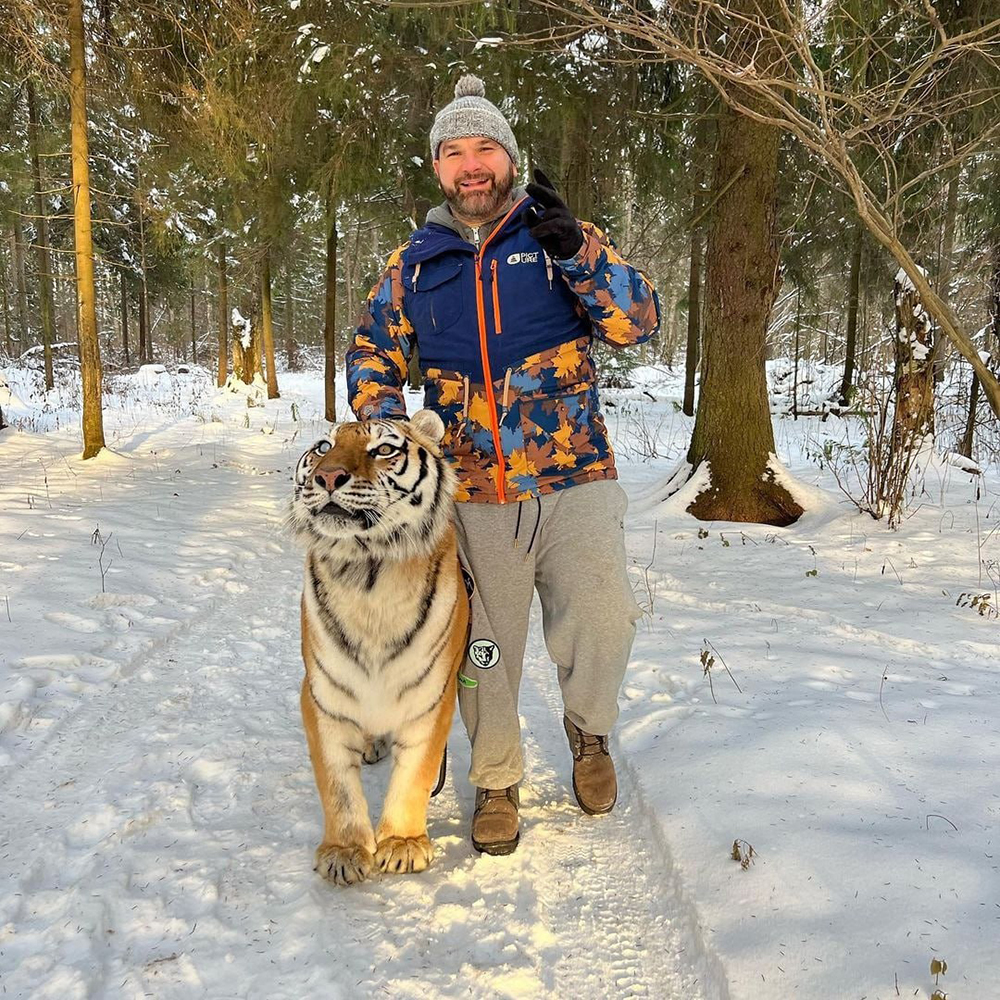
{"points": [[322, 447], [385, 450]]}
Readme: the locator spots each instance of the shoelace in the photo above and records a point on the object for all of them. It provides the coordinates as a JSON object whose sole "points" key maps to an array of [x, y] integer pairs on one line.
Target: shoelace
{"points": [[591, 746], [491, 794]]}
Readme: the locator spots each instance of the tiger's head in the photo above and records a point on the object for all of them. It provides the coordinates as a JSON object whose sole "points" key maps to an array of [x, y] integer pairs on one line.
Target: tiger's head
{"points": [[380, 486]]}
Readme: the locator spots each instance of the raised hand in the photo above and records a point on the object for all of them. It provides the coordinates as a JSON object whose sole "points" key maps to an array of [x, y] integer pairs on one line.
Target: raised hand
{"points": [[556, 229]]}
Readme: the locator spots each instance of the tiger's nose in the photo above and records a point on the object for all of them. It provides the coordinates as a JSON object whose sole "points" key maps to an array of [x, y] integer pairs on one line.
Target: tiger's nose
{"points": [[332, 479]]}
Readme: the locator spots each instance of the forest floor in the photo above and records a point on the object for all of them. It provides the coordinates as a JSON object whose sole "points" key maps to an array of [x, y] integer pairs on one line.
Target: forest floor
{"points": [[158, 809]]}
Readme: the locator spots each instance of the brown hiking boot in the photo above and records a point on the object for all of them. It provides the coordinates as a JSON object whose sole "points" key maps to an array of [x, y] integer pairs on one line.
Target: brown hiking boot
{"points": [[494, 823], [594, 782]]}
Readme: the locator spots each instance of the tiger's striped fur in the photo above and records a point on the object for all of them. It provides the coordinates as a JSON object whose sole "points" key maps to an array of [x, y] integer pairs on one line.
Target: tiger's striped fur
{"points": [[384, 627]]}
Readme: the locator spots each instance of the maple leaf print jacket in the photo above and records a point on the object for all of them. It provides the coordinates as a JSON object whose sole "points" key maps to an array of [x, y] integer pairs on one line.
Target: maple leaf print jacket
{"points": [[504, 336]]}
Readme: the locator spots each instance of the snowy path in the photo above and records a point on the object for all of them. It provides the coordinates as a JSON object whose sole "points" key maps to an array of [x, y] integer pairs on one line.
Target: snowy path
{"points": [[158, 814], [164, 833]]}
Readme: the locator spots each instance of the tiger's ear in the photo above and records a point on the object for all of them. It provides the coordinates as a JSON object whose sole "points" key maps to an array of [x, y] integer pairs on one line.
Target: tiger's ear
{"points": [[429, 424]]}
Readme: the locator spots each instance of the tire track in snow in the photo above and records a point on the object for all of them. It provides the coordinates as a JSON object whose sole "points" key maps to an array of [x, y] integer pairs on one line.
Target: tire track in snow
{"points": [[636, 934]]}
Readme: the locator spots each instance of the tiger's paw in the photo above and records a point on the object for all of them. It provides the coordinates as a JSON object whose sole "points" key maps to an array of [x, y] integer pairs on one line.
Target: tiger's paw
{"points": [[343, 865], [399, 855], [375, 750]]}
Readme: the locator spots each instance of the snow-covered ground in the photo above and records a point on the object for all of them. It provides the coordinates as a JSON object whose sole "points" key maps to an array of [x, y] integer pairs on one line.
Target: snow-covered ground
{"points": [[158, 809]]}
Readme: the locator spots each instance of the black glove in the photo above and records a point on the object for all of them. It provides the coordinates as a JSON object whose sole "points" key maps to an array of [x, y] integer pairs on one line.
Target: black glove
{"points": [[557, 230]]}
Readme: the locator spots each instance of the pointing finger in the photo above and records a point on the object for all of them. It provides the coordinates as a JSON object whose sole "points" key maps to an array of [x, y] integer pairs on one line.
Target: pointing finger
{"points": [[540, 178]]}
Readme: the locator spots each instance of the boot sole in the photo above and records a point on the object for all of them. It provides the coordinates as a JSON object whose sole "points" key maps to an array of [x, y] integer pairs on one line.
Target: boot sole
{"points": [[588, 810], [498, 848]]}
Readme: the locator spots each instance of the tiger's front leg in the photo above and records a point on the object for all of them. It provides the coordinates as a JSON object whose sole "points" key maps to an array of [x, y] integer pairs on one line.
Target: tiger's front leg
{"points": [[402, 842], [346, 854]]}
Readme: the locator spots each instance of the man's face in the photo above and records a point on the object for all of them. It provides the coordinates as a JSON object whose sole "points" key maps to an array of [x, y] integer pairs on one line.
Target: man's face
{"points": [[476, 175]]}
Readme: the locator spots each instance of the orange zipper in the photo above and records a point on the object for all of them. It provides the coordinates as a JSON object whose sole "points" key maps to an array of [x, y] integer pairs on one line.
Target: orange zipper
{"points": [[496, 298], [487, 375]]}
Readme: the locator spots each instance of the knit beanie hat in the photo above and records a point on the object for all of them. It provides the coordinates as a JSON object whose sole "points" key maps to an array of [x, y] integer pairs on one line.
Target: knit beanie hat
{"points": [[471, 114]]}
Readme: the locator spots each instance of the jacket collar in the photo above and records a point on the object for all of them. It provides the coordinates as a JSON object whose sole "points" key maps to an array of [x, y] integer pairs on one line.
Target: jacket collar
{"points": [[436, 238], [442, 215]]}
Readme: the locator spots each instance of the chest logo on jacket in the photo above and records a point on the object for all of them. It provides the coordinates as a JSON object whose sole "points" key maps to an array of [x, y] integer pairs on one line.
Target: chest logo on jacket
{"points": [[523, 258]]}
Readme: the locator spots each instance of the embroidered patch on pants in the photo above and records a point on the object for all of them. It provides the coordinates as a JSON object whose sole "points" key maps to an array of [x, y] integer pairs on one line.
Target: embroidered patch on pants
{"points": [[468, 682], [484, 653]]}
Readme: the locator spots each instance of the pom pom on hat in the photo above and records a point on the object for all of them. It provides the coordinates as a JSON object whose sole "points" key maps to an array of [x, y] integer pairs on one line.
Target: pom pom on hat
{"points": [[470, 86]]}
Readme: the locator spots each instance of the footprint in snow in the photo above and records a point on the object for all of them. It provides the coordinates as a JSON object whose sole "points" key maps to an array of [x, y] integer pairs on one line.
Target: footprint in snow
{"points": [[73, 622]]}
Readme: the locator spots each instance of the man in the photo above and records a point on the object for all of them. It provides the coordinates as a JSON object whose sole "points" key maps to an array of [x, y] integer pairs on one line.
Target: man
{"points": [[502, 290]]}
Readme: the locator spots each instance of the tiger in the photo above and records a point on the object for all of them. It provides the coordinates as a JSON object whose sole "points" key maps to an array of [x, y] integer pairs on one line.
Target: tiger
{"points": [[385, 614]]}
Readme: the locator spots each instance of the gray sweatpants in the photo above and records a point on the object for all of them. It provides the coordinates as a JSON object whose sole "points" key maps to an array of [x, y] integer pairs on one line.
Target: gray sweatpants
{"points": [[570, 546]]}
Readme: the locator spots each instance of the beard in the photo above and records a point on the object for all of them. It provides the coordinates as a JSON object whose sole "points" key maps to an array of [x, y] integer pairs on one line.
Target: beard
{"points": [[480, 205]]}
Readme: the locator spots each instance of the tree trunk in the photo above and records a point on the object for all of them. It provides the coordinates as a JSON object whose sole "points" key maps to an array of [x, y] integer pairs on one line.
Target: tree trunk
{"points": [[256, 343], [692, 353], [90, 351], [291, 348], [267, 324], [330, 313], [969, 435], [733, 431], [65, 307], [853, 297], [576, 173], [798, 348], [21, 285], [913, 348], [124, 295], [968, 438], [941, 346], [145, 333], [207, 317], [350, 266], [6, 316], [194, 328], [240, 369], [246, 351], [44, 273], [668, 328], [142, 329], [948, 236], [224, 317]]}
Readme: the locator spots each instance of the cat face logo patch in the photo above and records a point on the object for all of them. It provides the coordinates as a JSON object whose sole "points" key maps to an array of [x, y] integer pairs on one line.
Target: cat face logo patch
{"points": [[484, 653]]}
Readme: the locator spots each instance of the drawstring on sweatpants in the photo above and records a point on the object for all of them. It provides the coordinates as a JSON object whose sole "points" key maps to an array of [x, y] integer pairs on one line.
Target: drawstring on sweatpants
{"points": [[534, 531]]}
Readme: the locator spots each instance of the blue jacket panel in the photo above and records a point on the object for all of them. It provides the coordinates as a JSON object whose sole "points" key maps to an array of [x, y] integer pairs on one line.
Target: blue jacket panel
{"points": [[537, 309]]}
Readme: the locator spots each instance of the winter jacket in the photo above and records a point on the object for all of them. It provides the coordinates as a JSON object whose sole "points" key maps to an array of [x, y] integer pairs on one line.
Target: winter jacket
{"points": [[504, 336]]}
